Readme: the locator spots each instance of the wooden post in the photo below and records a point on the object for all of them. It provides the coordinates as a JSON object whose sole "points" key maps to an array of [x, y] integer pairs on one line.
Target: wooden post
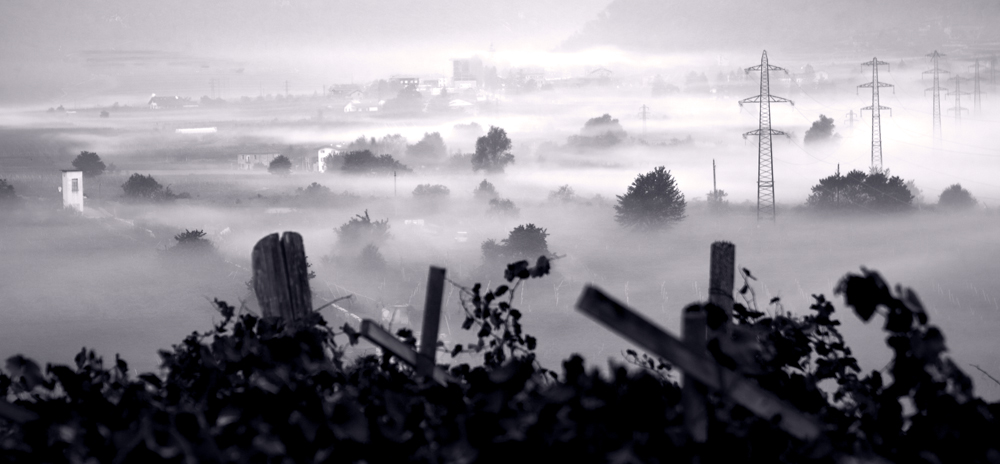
{"points": [[281, 276], [693, 329], [432, 317], [721, 276], [655, 340], [387, 341]]}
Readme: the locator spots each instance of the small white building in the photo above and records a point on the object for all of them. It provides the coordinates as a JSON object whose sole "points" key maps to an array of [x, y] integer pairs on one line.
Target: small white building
{"points": [[72, 189], [321, 155]]}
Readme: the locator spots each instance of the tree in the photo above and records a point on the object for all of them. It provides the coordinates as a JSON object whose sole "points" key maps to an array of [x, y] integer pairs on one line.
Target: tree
{"points": [[651, 202], [140, 187], [717, 200], [524, 241], [431, 191], [485, 190], [364, 162], [877, 191], [821, 131], [492, 151], [956, 198], [89, 163], [361, 229], [602, 125], [431, 147], [502, 207], [281, 166]]}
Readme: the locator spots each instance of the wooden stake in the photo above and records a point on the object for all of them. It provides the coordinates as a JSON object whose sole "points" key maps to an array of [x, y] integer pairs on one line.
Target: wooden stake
{"points": [[653, 339], [721, 276], [375, 334], [281, 276], [432, 316], [694, 329]]}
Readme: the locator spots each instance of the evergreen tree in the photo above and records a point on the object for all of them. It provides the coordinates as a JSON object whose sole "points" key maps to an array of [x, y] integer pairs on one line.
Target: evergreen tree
{"points": [[651, 202]]}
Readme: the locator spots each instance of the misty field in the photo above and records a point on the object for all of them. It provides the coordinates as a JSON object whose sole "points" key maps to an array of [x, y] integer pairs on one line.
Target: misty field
{"points": [[107, 279]]}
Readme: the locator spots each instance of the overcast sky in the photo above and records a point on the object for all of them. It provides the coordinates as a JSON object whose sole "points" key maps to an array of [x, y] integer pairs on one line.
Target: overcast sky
{"points": [[51, 48]]}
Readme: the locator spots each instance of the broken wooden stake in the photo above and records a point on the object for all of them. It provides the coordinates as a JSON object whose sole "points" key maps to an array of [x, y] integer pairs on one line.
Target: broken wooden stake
{"points": [[387, 341], [281, 276]]}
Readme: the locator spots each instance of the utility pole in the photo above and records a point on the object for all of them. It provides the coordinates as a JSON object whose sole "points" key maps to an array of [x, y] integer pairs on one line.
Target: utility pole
{"points": [[976, 94], [935, 58], [765, 170], [958, 98], [715, 190], [876, 110], [645, 109]]}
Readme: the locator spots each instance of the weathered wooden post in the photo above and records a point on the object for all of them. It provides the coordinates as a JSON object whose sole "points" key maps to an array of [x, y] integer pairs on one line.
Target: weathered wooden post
{"points": [[721, 272], [693, 332], [432, 319], [281, 276]]}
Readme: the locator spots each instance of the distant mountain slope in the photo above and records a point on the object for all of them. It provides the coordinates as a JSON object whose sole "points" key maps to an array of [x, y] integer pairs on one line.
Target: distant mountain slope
{"points": [[793, 25]]}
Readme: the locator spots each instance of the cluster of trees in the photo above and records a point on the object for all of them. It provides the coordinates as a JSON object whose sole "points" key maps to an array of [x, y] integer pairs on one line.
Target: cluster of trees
{"points": [[7, 194], [600, 132], [524, 241]]}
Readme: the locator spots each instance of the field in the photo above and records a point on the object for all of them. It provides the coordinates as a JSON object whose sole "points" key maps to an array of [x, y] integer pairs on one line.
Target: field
{"points": [[106, 281]]}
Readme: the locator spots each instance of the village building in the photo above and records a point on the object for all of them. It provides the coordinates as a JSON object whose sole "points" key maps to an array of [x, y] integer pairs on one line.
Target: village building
{"points": [[72, 189], [247, 162]]}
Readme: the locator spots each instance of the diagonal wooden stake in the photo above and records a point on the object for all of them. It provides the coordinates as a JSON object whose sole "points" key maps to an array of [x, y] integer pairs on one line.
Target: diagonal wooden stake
{"points": [[645, 334], [387, 341]]}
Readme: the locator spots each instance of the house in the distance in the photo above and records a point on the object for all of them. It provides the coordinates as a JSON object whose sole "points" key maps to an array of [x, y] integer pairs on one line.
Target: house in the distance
{"points": [[247, 162], [359, 106], [157, 103]]}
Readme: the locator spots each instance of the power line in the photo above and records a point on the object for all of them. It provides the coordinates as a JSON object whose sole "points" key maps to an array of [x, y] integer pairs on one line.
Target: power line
{"points": [[876, 110], [765, 164]]}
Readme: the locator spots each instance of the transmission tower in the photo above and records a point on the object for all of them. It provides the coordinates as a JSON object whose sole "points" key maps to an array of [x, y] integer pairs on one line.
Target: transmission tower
{"points": [[765, 171], [976, 93], [958, 98], [850, 119], [645, 111], [935, 58], [876, 110]]}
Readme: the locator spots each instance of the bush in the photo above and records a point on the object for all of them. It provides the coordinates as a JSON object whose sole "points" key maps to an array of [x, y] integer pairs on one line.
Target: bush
{"points": [[485, 190], [362, 230], [956, 198], [89, 163], [503, 207], [192, 241], [364, 162], [524, 241], [492, 151], [860, 192], [563, 194], [140, 187], [429, 191], [7, 194], [370, 259], [717, 200], [280, 166], [599, 132], [651, 202]]}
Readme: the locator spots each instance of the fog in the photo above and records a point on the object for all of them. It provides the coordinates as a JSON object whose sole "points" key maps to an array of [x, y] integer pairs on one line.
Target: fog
{"points": [[107, 278]]}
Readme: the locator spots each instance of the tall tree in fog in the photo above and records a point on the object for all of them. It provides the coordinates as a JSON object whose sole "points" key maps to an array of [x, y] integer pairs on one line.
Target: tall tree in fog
{"points": [[89, 163], [651, 202], [492, 151]]}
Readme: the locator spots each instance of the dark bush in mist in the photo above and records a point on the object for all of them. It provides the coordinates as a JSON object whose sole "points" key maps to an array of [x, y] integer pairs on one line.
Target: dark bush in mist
{"points": [[89, 163], [394, 145], [140, 187], [430, 148], [370, 259], [485, 190], [492, 151], [876, 191], [503, 207], [820, 132], [192, 241], [600, 132], [334, 163], [316, 194], [653, 201], [364, 162], [361, 230], [281, 166], [524, 241], [7, 194], [956, 198], [428, 191]]}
